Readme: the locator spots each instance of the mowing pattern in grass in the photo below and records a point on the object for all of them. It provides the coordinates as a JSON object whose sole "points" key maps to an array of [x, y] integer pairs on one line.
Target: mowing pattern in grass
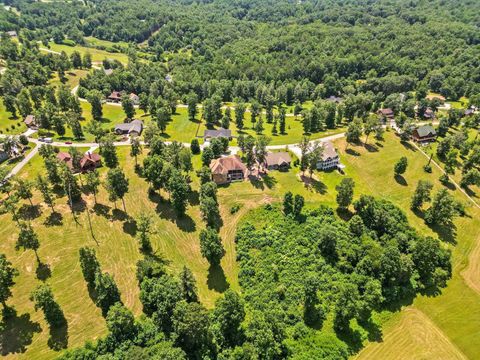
{"points": [[455, 313]]}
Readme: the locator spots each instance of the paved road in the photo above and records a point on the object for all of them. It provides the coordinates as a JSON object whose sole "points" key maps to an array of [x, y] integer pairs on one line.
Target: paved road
{"points": [[24, 162]]}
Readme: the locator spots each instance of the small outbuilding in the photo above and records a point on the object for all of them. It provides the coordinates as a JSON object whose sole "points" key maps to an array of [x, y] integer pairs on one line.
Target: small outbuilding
{"points": [[31, 122]]}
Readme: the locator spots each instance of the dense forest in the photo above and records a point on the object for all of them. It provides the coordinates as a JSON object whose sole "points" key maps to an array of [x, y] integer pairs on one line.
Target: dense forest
{"points": [[294, 50]]}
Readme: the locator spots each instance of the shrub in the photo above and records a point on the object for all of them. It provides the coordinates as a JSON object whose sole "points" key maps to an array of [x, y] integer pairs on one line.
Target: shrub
{"points": [[234, 209]]}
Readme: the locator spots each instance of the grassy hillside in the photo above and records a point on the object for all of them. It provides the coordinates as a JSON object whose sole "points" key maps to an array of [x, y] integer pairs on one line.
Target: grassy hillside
{"points": [[449, 319]]}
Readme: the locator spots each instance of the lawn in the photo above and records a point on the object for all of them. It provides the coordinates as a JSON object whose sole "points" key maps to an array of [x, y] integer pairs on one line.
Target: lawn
{"points": [[97, 55], [72, 78], [9, 125], [454, 315]]}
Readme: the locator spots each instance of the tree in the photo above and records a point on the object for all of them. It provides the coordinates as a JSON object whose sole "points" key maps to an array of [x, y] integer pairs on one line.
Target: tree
{"points": [[239, 114], [195, 146], [227, 118], [162, 115], [10, 105], [24, 190], [135, 149], [288, 203], [117, 185], [443, 209], [370, 126], [227, 317], [400, 166], [259, 126], [314, 156], [282, 116], [87, 61], [128, 107], [207, 156], [76, 59], [255, 110], [144, 225], [354, 131], [189, 285], [42, 296], [192, 101], [70, 185], [261, 149], [7, 274], [109, 152], [421, 194], [345, 192], [471, 177], [121, 323], [89, 264], [93, 183], [211, 245], [23, 103], [204, 174], [95, 100], [191, 329], [298, 203], [107, 293], [46, 191], [304, 148], [28, 240], [179, 190]]}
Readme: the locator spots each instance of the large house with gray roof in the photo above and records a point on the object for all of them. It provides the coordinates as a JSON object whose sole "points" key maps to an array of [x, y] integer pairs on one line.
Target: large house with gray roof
{"points": [[424, 133]]}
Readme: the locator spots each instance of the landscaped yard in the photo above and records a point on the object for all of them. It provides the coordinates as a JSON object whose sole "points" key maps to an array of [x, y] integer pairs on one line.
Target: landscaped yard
{"points": [[176, 242]]}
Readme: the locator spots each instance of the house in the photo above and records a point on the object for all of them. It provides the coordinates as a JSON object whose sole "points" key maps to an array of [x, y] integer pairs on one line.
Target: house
{"points": [[65, 158], [334, 99], [134, 98], [429, 114], [386, 114], [424, 133], [108, 72], [31, 122], [228, 169], [435, 97], [278, 160], [3, 155], [12, 33], [468, 112], [330, 158], [217, 133], [115, 96], [88, 162], [133, 128]]}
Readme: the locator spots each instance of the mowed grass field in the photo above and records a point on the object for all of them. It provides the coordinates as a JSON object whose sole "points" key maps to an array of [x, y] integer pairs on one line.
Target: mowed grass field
{"points": [[449, 321], [97, 55]]}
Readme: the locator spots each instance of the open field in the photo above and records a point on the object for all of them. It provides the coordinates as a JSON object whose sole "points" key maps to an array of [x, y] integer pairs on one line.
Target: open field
{"points": [[450, 319], [413, 336], [72, 78], [97, 55]]}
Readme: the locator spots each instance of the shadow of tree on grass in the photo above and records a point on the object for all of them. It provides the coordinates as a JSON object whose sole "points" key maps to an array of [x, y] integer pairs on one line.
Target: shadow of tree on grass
{"points": [[216, 279], [17, 333]]}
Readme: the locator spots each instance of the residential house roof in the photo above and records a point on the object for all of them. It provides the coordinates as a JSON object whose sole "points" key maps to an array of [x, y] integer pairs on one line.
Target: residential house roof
{"points": [[115, 95], [432, 97], [89, 158], [278, 158], [216, 133], [425, 130], [133, 126], [329, 151], [429, 113], [30, 120], [335, 99], [469, 112], [386, 112], [225, 164], [108, 71]]}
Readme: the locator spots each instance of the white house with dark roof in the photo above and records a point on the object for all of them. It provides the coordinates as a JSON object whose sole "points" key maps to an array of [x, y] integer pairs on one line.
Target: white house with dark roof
{"points": [[330, 158]]}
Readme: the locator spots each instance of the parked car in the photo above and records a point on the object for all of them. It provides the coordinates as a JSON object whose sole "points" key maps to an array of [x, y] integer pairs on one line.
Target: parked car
{"points": [[48, 140], [68, 142]]}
